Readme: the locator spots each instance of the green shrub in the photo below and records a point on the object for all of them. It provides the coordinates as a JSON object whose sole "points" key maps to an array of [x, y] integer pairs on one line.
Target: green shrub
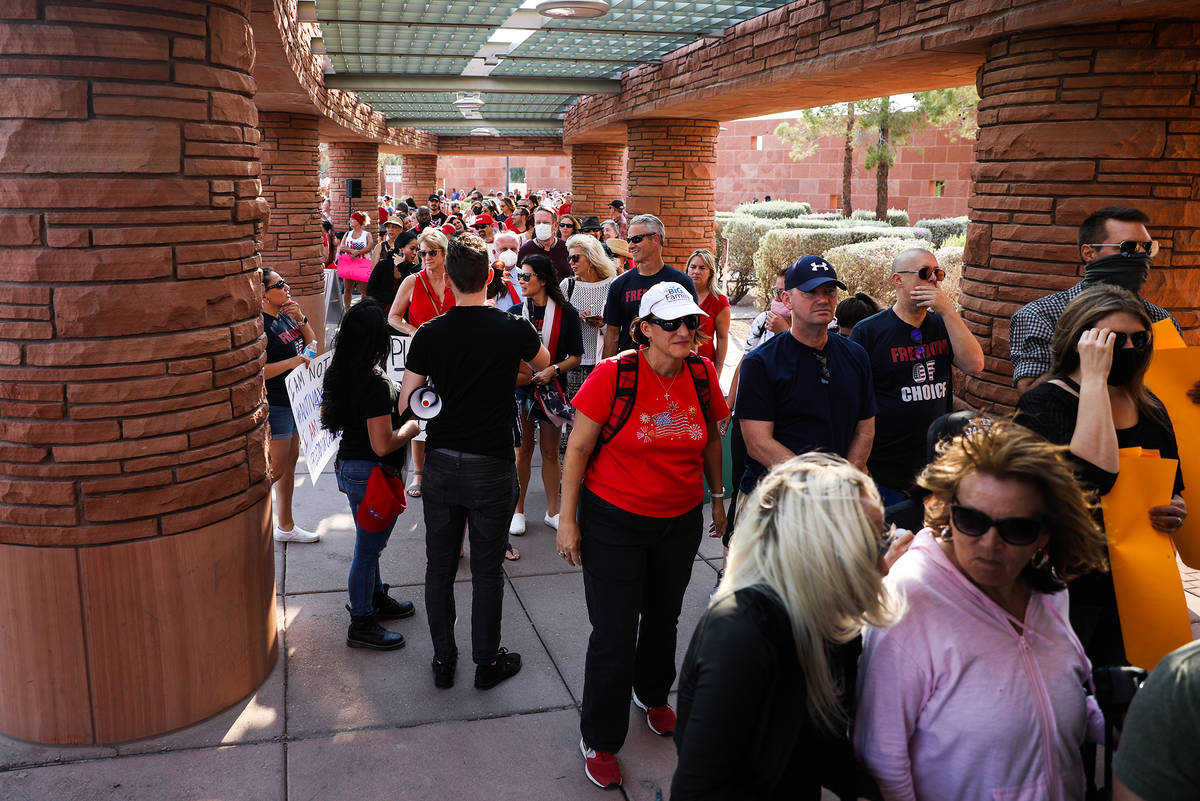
{"points": [[897, 217], [775, 209], [942, 228], [862, 214], [826, 215], [867, 266], [781, 247], [958, 241]]}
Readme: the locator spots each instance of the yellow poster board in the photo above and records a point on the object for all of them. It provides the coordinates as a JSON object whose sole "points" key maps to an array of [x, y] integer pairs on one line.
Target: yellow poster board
{"points": [[1150, 600], [1174, 370]]}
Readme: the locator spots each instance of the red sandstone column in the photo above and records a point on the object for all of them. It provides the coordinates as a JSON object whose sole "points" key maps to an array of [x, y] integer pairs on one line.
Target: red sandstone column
{"points": [[291, 245], [419, 177], [136, 575], [353, 160], [672, 174], [1072, 120], [597, 177]]}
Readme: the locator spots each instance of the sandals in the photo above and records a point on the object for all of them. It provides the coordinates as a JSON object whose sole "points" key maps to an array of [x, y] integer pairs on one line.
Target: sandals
{"points": [[414, 489], [512, 554]]}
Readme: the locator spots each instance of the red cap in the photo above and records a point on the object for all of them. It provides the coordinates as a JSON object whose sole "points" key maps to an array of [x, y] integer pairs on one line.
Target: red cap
{"points": [[358, 215], [449, 230], [484, 219]]}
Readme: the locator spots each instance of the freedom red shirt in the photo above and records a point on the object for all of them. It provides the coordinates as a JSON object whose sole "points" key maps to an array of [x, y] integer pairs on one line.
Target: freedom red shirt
{"points": [[654, 465]]}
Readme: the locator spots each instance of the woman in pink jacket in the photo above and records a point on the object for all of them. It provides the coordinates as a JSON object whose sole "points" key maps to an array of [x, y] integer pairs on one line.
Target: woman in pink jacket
{"points": [[981, 691]]}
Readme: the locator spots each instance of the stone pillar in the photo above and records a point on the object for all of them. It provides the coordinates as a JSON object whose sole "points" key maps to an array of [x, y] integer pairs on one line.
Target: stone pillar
{"points": [[136, 570], [292, 244], [1072, 120], [419, 177], [353, 160], [597, 177], [672, 174]]}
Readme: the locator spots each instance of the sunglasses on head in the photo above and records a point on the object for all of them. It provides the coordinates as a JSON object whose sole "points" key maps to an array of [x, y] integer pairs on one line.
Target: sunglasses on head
{"points": [[1019, 531], [925, 272], [633, 240], [692, 321], [1139, 339], [524, 276], [1131, 247], [428, 254]]}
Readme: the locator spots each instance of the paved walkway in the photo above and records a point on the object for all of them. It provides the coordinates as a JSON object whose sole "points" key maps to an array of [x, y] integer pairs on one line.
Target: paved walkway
{"points": [[335, 723]]}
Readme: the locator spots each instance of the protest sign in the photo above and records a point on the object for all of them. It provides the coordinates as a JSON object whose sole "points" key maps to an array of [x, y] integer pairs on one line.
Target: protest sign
{"points": [[304, 391], [396, 359]]}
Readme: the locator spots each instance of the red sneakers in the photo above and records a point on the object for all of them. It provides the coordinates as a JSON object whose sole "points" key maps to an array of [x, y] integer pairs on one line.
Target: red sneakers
{"points": [[600, 767], [660, 719]]}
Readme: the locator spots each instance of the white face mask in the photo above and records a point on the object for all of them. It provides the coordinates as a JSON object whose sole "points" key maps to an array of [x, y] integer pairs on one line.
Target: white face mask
{"points": [[543, 231], [509, 257]]}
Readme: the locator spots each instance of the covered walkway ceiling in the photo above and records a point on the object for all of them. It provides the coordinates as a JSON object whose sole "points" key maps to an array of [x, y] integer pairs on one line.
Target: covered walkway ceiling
{"points": [[411, 60]]}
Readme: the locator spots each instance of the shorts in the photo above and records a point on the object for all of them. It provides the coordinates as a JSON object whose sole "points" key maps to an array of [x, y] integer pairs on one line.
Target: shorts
{"points": [[283, 425]]}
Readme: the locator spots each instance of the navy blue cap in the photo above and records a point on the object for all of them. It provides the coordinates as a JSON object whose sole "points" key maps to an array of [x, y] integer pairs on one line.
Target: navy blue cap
{"points": [[810, 272]]}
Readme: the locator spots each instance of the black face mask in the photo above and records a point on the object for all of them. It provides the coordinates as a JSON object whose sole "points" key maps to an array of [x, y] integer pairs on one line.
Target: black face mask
{"points": [[1129, 272], [1126, 363]]}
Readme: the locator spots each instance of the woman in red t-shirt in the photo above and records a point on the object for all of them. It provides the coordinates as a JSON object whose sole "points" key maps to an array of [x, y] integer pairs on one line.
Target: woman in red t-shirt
{"points": [[702, 269], [421, 297], [632, 516]]}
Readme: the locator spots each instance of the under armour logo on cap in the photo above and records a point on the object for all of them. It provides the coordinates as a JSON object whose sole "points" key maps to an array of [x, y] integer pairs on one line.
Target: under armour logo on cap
{"points": [[810, 272]]}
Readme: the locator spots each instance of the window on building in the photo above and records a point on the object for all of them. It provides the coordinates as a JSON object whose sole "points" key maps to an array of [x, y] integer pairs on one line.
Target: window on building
{"points": [[835, 202], [757, 141], [938, 187], [516, 175]]}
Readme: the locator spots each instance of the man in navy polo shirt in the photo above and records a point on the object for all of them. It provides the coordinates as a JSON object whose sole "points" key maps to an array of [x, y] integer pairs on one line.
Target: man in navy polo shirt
{"points": [[911, 347], [804, 390]]}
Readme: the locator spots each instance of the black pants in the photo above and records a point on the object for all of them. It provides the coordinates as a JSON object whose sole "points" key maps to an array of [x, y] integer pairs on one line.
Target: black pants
{"points": [[633, 567], [737, 457]]}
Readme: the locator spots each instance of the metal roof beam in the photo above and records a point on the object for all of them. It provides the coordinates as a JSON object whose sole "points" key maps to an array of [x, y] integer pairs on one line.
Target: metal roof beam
{"points": [[391, 82], [499, 123], [554, 29], [572, 59]]}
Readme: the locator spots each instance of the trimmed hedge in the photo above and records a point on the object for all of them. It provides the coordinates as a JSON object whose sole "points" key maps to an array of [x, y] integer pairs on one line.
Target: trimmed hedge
{"points": [[775, 209], [897, 217], [780, 248], [867, 266], [942, 228]]}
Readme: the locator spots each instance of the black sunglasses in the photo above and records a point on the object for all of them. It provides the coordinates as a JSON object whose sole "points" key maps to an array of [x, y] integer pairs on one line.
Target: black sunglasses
{"points": [[283, 283], [633, 240], [925, 272], [566, 225], [593, 231], [1139, 339], [425, 254], [524, 276], [1131, 246], [692, 321], [574, 258], [1018, 531]]}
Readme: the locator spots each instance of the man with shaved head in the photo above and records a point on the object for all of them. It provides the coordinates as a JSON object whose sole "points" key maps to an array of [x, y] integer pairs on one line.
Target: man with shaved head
{"points": [[912, 346]]}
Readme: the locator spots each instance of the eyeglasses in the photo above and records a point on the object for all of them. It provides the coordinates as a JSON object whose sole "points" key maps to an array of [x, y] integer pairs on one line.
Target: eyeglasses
{"points": [[574, 258], [823, 365], [429, 254], [1130, 247], [1018, 531], [480, 227], [692, 321], [279, 285], [634, 240], [524, 276], [566, 225], [778, 293], [593, 231], [925, 272], [1138, 339]]}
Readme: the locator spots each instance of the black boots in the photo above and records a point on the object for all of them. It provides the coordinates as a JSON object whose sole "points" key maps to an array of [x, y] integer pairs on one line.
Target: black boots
{"points": [[388, 608], [505, 666], [365, 632]]}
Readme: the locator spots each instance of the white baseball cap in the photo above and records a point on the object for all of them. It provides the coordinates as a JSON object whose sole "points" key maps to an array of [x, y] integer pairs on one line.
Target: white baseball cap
{"points": [[668, 301]]}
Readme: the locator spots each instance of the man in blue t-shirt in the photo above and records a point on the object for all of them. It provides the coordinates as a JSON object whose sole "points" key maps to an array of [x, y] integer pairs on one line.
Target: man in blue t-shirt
{"points": [[646, 239], [911, 347], [804, 390]]}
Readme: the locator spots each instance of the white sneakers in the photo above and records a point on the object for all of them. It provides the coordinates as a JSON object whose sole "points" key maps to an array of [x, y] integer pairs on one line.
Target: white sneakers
{"points": [[552, 522], [296, 534], [517, 527]]}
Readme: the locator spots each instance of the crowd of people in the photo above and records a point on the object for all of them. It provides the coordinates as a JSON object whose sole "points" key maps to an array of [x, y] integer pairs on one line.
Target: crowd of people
{"points": [[914, 599]]}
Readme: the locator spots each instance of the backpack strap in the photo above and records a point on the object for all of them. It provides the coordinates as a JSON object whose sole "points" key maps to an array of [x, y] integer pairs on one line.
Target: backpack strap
{"points": [[570, 288], [695, 366], [627, 374]]}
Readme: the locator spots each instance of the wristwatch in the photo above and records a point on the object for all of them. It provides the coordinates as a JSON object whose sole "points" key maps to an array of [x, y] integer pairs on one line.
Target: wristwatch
{"points": [[557, 371]]}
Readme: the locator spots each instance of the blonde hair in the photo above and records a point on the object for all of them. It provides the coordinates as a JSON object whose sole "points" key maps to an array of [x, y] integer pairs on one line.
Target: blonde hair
{"points": [[1005, 449], [434, 236], [804, 536], [710, 261], [594, 252]]}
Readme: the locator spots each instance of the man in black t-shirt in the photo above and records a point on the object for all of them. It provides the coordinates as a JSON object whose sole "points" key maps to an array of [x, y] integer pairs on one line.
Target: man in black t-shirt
{"points": [[471, 354], [912, 346], [646, 239]]}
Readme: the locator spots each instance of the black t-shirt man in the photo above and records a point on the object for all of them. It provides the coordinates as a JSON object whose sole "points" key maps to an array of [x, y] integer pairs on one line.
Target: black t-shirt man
{"points": [[625, 297], [373, 396], [911, 368], [284, 340], [472, 355]]}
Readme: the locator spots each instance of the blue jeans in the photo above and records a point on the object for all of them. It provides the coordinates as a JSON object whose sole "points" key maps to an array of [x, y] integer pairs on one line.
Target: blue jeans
{"points": [[364, 579], [480, 492]]}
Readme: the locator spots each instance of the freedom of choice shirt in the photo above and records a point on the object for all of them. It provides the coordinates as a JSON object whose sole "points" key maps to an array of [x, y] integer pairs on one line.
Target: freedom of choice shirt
{"points": [[625, 297], [911, 369], [781, 382]]}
